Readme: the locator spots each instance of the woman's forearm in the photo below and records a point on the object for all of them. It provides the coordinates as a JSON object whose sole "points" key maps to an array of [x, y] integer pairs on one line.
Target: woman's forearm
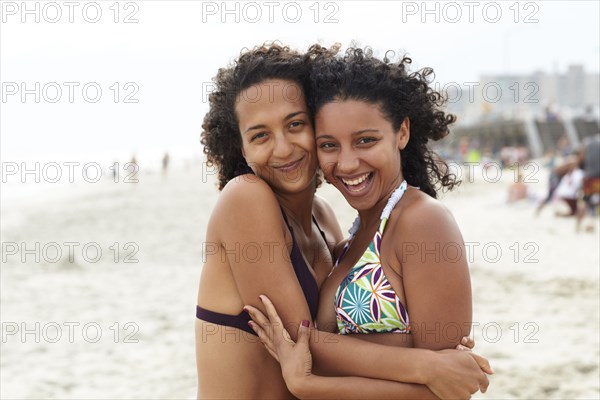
{"points": [[343, 355], [318, 387]]}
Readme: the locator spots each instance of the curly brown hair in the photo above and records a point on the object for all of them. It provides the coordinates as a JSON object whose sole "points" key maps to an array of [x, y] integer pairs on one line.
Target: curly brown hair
{"points": [[358, 75], [220, 130]]}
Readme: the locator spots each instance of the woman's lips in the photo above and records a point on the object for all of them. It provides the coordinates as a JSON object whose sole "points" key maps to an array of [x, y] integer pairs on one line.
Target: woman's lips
{"points": [[291, 166], [357, 185]]}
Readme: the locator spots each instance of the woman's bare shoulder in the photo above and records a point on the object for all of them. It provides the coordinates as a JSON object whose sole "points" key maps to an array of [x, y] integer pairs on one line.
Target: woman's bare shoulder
{"points": [[421, 209], [327, 219], [246, 200], [322, 208], [423, 219], [243, 186]]}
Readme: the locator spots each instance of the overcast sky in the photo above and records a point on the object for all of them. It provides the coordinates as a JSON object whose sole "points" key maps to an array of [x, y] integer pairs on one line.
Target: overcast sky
{"points": [[166, 58]]}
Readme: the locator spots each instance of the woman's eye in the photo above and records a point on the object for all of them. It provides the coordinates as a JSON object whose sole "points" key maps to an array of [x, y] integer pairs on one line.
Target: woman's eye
{"points": [[326, 145], [366, 140], [259, 135], [296, 124]]}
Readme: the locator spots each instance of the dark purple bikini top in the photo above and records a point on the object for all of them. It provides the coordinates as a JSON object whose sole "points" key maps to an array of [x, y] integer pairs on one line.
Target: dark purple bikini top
{"points": [[307, 282]]}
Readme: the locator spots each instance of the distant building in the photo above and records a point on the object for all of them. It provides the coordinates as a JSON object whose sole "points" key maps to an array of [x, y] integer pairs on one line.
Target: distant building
{"points": [[534, 111], [537, 95]]}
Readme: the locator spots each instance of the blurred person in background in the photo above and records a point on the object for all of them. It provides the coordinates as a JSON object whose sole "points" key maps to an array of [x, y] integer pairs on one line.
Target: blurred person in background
{"points": [[559, 166], [165, 164], [590, 159], [518, 190], [570, 186]]}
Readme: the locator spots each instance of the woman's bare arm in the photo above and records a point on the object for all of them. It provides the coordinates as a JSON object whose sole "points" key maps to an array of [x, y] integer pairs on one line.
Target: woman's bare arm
{"points": [[296, 364], [432, 257], [318, 387]]}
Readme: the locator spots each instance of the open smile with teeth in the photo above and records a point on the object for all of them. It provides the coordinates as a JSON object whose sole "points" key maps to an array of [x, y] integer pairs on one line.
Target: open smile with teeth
{"points": [[358, 184]]}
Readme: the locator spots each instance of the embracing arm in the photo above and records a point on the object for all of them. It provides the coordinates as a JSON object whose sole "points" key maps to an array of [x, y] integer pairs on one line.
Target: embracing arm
{"points": [[396, 370], [254, 237], [338, 354], [318, 387], [296, 366]]}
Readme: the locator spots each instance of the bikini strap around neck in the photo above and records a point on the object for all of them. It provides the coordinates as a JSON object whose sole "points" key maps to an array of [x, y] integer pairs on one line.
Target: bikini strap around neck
{"points": [[387, 210]]}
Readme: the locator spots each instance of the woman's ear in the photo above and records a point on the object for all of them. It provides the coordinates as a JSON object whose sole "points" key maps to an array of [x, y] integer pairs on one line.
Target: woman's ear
{"points": [[403, 135]]}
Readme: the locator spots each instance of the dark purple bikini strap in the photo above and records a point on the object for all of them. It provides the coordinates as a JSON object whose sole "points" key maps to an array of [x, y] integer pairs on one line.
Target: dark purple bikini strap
{"points": [[237, 321]]}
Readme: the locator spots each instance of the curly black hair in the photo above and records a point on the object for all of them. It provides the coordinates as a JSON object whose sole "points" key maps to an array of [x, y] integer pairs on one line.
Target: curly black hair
{"points": [[220, 130], [358, 75]]}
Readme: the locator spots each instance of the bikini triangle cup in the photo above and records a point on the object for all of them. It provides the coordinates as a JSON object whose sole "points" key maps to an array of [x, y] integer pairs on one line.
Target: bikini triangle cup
{"points": [[365, 301]]}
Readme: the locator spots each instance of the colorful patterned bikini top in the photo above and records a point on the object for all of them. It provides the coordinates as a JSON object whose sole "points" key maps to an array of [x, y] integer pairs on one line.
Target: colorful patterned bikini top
{"points": [[365, 301]]}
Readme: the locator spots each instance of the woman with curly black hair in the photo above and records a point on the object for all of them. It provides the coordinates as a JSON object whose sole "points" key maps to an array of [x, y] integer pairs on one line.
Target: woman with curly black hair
{"points": [[405, 255], [269, 234]]}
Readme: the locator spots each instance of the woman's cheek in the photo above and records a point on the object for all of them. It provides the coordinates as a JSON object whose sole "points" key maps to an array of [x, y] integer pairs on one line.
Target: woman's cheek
{"points": [[327, 163], [309, 140]]}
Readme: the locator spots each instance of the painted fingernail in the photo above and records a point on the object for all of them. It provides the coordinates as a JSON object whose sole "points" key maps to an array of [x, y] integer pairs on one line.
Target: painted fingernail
{"points": [[245, 309], [464, 340], [305, 323], [250, 324]]}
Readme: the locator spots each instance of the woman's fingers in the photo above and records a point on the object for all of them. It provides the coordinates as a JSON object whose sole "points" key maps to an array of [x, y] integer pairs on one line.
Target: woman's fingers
{"points": [[265, 339], [304, 333], [483, 363], [256, 315], [275, 321], [271, 324], [463, 348], [484, 383], [263, 325], [468, 342], [271, 311]]}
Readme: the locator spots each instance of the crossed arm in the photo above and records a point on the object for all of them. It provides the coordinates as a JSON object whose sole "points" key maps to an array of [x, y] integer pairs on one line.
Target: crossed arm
{"points": [[296, 365]]}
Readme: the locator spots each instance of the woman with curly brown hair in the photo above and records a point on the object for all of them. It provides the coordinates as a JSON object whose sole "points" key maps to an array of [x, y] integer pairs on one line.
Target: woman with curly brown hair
{"points": [[269, 234]]}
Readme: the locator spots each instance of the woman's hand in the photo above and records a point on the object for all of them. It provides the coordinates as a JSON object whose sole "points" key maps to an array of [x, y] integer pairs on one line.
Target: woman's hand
{"points": [[458, 374], [295, 358], [466, 344]]}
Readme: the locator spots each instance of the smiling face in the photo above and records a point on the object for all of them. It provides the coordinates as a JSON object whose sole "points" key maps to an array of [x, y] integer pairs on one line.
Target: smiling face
{"points": [[359, 152], [277, 135]]}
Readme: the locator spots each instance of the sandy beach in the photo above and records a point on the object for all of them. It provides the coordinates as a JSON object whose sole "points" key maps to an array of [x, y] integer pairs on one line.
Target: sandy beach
{"points": [[120, 324]]}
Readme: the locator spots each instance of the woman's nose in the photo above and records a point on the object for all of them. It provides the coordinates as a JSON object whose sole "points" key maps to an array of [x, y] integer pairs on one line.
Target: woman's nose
{"points": [[347, 162], [283, 147]]}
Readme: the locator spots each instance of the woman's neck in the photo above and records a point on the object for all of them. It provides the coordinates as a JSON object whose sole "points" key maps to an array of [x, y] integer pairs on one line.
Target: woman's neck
{"points": [[298, 206], [372, 216]]}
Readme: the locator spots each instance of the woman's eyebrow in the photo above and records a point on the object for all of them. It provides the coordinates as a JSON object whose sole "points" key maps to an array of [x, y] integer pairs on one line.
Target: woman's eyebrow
{"points": [[260, 126], [368, 130], [355, 133], [292, 115], [263, 126]]}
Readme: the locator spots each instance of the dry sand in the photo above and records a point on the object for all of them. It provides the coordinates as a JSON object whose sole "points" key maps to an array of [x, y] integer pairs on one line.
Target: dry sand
{"points": [[537, 310]]}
